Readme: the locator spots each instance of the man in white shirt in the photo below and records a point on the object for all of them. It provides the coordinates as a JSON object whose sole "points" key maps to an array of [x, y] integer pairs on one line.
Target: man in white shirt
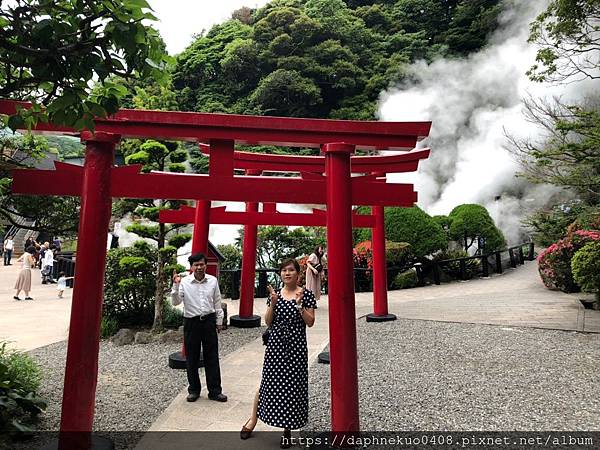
{"points": [[48, 264], [8, 248], [202, 321]]}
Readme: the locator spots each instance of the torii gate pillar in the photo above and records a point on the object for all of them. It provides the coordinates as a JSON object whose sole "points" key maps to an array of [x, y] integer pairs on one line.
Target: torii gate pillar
{"points": [[81, 373], [380, 298], [342, 320], [201, 227], [246, 318]]}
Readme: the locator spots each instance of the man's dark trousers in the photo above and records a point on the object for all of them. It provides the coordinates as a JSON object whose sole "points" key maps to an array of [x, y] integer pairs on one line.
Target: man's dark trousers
{"points": [[201, 333], [7, 257]]}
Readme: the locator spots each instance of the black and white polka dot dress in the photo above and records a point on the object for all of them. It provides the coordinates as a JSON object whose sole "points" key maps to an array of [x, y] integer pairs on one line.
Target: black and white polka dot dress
{"points": [[283, 394]]}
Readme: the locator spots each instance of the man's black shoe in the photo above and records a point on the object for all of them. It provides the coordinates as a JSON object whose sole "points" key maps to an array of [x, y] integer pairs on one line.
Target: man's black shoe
{"points": [[192, 397], [218, 397]]}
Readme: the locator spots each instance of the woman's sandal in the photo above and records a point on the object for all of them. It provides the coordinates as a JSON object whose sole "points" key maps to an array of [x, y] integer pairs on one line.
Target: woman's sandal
{"points": [[286, 439], [246, 433]]}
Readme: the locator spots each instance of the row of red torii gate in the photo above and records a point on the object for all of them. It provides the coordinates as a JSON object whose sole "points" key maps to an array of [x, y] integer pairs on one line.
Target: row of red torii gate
{"points": [[325, 180]]}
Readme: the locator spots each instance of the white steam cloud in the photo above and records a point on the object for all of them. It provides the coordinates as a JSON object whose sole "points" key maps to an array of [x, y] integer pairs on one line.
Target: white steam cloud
{"points": [[472, 102]]}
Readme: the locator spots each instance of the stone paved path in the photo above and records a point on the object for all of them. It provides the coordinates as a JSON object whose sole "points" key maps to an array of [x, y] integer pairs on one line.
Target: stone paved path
{"points": [[515, 298]]}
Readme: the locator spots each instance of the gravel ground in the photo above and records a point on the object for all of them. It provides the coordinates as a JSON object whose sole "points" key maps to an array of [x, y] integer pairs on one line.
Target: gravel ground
{"points": [[421, 375], [135, 383]]}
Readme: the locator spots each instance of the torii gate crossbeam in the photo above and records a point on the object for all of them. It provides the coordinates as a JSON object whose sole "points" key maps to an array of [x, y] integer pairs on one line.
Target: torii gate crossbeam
{"points": [[337, 139]]}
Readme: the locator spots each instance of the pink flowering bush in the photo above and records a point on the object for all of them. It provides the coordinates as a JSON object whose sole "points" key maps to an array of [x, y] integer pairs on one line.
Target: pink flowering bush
{"points": [[554, 263]]}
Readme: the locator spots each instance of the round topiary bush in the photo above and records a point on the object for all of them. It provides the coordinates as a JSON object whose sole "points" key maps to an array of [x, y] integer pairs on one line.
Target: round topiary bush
{"points": [[586, 267], [469, 222], [405, 280]]}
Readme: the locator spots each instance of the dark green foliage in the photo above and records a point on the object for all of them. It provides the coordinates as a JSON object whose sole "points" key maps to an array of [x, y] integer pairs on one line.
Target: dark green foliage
{"points": [[405, 280], [108, 327], [586, 267], [411, 225], [172, 317], [470, 222], [52, 51], [179, 240], [443, 221], [130, 284], [20, 378], [451, 270], [566, 33], [323, 58], [233, 260], [549, 226]]}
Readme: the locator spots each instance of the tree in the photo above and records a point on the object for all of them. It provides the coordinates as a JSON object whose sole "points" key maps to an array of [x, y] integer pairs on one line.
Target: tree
{"points": [[469, 223], [52, 51], [275, 243], [54, 215], [160, 156], [569, 39], [411, 225], [569, 155]]}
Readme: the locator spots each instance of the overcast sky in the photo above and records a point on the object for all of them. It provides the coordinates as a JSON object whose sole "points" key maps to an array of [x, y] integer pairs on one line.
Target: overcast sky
{"points": [[180, 19]]}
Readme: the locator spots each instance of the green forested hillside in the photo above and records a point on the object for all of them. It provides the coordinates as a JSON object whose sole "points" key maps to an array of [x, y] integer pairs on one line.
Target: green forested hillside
{"points": [[323, 58]]}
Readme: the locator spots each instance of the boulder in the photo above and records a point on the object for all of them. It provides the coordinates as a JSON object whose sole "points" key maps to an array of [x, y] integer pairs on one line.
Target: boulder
{"points": [[170, 336], [124, 336], [142, 337]]}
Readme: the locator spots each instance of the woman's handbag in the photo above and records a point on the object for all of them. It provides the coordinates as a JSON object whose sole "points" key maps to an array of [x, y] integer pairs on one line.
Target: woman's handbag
{"points": [[265, 335], [318, 267]]}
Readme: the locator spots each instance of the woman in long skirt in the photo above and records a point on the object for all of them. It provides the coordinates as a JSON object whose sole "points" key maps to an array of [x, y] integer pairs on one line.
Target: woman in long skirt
{"points": [[314, 271], [23, 282], [282, 400]]}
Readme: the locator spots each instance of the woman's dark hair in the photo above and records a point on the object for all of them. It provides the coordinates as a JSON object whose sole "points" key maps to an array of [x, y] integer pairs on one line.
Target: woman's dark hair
{"points": [[197, 257], [319, 253], [287, 262], [30, 250], [61, 274]]}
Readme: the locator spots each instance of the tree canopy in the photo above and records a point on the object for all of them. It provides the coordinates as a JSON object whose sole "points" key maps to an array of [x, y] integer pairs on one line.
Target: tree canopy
{"points": [[53, 51], [568, 36], [469, 222], [322, 58]]}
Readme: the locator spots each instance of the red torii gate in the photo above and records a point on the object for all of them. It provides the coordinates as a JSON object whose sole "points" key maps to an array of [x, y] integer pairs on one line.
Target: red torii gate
{"points": [[307, 166], [97, 182]]}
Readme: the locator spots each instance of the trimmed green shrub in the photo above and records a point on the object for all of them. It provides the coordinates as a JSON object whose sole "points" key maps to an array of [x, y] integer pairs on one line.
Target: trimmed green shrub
{"points": [[471, 221], [20, 378], [233, 260], [172, 317], [405, 280], [179, 240], [451, 270], [130, 285], [586, 267], [411, 225], [108, 327]]}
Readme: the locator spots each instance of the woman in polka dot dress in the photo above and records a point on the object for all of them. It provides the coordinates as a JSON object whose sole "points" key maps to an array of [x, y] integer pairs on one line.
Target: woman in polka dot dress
{"points": [[282, 400]]}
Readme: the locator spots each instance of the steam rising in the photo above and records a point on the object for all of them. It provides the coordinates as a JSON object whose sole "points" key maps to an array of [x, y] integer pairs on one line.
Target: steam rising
{"points": [[472, 103]]}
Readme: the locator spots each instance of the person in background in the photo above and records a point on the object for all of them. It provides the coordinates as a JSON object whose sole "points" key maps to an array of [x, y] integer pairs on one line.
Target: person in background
{"points": [[202, 322], [48, 264], [57, 244], [8, 249], [61, 284], [23, 282], [314, 271]]}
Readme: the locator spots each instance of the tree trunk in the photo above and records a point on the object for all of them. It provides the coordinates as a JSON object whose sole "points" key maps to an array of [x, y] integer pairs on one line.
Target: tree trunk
{"points": [[160, 280]]}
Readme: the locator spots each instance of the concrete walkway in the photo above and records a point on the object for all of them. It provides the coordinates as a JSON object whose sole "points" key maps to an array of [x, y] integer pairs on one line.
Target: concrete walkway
{"points": [[515, 298], [30, 324]]}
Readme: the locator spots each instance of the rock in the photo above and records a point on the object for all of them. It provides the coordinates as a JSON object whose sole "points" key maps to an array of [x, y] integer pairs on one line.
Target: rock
{"points": [[124, 336], [141, 337], [170, 336], [180, 330]]}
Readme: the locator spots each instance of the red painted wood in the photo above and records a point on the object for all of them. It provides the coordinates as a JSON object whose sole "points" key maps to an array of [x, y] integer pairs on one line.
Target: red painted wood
{"points": [[342, 320], [380, 300], [248, 265], [81, 371], [201, 227], [127, 184], [406, 162], [219, 216], [293, 132]]}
